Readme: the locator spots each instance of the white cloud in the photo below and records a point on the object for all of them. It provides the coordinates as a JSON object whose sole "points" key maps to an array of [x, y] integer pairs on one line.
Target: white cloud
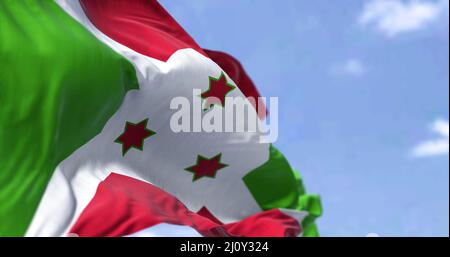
{"points": [[392, 17], [438, 146], [352, 67]]}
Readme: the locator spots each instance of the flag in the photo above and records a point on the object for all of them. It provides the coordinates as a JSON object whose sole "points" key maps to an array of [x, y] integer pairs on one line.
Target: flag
{"points": [[86, 147]]}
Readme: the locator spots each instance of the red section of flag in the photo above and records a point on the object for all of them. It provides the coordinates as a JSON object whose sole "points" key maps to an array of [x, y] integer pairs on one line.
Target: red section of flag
{"points": [[207, 214], [142, 25], [123, 205], [237, 73], [147, 28]]}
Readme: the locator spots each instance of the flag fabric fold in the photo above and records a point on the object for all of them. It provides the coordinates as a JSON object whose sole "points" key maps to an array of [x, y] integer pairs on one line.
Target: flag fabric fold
{"points": [[87, 149], [109, 212]]}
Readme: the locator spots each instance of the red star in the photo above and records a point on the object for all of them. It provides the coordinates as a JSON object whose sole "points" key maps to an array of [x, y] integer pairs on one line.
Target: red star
{"points": [[218, 88], [134, 136], [206, 167], [207, 214]]}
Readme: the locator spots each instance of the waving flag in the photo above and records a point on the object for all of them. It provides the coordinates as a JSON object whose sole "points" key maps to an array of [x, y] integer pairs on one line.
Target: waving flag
{"points": [[85, 143]]}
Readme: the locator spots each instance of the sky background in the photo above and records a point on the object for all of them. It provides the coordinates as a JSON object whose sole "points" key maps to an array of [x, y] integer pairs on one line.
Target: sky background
{"points": [[363, 91]]}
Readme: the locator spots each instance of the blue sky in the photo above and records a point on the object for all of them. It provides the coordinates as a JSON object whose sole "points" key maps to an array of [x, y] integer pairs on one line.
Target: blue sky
{"points": [[363, 90]]}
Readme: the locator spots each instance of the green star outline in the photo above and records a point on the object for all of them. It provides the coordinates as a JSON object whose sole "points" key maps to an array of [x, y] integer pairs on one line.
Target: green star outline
{"points": [[222, 74], [128, 123]]}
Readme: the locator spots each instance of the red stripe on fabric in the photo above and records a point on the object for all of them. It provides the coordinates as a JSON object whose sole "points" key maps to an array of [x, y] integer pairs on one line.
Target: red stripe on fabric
{"points": [[123, 205], [273, 223], [142, 25], [237, 73], [207, 214], [147, 28]]}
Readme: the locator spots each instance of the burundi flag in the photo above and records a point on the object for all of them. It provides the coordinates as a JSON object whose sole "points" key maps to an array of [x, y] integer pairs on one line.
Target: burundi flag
{"points": [[86, 147]]}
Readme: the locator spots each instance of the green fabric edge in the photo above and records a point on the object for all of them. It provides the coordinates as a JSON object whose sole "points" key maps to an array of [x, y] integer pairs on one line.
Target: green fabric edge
{"points": [[34, 36], [310, 203], [275, 184]]}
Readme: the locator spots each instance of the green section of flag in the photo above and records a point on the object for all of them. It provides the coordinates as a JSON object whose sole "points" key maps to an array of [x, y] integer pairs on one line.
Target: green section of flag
{"points": [[58, 87], [276, 185]]}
